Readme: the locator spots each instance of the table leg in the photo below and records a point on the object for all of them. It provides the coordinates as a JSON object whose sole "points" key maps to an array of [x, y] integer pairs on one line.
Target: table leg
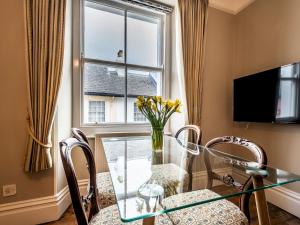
{"points": [[261, 202], [149, 221]]}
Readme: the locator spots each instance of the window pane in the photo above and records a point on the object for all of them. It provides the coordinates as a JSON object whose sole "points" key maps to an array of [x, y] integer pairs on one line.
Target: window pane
{"points": [[104, 32], [144, 83], [138, 115], [104, 84], [142, 40]]}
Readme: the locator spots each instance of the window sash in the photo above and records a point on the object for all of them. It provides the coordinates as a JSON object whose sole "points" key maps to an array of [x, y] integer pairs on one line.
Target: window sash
{"points": [[111, 63], [161, 48], [152, 5], [142, 12]]}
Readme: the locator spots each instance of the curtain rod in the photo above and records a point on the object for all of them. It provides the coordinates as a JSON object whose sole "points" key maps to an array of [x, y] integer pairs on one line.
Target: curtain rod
{"points": [[151, 4]]}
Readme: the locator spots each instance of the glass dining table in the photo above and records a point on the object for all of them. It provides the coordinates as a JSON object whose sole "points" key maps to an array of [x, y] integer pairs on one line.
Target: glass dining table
{"points": [[149, 183]]}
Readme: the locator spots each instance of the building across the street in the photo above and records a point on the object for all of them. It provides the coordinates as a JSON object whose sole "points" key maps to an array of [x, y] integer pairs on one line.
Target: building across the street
{"points": [[104, 91]]}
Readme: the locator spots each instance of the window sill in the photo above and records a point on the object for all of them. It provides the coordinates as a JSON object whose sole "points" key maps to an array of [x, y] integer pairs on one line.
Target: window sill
{"points": [[92, 130], [109, 130], [106, 125]]}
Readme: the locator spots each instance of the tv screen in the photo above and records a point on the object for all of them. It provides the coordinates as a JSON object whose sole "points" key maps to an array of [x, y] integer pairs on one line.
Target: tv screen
{"points": [[271, 96]]}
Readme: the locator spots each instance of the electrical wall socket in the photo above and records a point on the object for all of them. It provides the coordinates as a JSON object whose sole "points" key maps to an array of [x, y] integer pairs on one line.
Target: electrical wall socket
{"points": [[9, 190]]}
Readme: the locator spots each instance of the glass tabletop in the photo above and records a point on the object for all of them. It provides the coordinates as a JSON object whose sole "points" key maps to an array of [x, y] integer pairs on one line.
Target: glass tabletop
{"points": [[149, 183]]}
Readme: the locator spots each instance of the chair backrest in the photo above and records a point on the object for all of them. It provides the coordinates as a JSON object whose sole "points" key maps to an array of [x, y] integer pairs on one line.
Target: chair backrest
{"points": [[79, 135], [192, 129], [66, 147], [257, 152]]}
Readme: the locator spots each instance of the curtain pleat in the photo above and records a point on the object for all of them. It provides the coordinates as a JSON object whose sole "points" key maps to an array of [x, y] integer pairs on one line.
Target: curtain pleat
{"points": [[193, 17], [45, 23]]}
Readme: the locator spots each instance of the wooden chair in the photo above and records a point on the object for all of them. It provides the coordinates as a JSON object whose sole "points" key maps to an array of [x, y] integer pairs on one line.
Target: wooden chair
{"points": [[193, 135], [108, 215], [106, 195], [257, 152], [79, 135], [221, 211], [191, 129]]}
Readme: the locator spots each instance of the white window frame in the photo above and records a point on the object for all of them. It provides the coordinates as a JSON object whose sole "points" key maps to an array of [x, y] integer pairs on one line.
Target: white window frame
{"points": [[78, 68]]}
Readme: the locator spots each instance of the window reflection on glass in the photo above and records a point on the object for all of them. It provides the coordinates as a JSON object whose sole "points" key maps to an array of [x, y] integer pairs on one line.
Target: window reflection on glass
{"points": [[103, 32], [288, 95]]}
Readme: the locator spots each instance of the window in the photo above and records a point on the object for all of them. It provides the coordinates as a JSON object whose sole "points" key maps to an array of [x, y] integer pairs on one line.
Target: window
{"points": [[96, 112], [137, 115], [288, 93], [122, 57]]}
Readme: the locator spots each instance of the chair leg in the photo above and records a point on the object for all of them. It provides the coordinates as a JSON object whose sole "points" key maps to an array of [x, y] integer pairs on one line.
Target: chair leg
{"points": [[149, 221], [245, 199], [261, 202]]}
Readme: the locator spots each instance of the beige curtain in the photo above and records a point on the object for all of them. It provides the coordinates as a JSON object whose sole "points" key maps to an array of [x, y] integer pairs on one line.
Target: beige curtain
{"points": [[45, 22], [193, 17]]}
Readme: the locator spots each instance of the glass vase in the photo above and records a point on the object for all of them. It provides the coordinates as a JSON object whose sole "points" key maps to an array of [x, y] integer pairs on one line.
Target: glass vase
{"points": [[157, 136]]}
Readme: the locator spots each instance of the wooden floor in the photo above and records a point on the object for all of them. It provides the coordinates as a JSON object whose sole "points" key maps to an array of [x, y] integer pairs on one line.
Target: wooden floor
{"points": [[277, 215]]}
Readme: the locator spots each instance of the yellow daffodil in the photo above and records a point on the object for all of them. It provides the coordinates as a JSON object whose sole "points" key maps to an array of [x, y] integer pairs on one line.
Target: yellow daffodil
{"points": [[148, 101], [177, 102], [178, 109], [141, 98], [159, 99], [139, 103], [170, 103], [154, 108], [157, 110]]}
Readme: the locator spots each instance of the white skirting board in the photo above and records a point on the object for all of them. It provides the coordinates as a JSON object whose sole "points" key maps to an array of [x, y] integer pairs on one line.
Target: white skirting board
{"points": [[285, 198], [282, 197], [38, 210]]}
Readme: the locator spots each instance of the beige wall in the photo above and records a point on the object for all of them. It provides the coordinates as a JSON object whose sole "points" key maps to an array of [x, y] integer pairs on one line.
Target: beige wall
{"points": [[13, 109], [217, 70], [63, 120], [267, 35]]}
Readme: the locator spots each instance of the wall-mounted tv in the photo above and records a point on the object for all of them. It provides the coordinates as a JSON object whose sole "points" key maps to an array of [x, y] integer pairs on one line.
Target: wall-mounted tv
{"points": [[271, 96]]}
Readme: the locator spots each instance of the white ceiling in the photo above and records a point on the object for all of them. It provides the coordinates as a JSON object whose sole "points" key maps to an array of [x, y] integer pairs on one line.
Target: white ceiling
{"points": [[229, 6]]}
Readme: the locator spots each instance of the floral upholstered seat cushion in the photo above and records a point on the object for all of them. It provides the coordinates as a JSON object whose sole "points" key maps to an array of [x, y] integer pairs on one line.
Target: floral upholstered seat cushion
{"points": [[171, 177], [217, 212], [110, 216], [106, 192]]}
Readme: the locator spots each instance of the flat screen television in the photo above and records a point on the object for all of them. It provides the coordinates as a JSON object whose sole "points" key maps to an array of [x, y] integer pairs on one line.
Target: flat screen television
{"points": [[271, 96]]}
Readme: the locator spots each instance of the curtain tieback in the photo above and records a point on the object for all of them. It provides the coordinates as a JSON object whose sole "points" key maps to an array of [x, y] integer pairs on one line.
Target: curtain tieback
{"points": [[48, 145]]}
